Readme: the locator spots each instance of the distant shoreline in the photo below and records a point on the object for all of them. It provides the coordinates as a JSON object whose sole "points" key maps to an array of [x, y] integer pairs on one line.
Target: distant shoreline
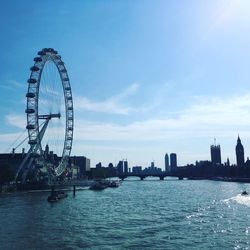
{"points": [[232, 179]]}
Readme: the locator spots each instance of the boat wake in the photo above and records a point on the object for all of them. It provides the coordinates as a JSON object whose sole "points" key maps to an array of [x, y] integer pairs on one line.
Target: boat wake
{"points": [[240, 199]]}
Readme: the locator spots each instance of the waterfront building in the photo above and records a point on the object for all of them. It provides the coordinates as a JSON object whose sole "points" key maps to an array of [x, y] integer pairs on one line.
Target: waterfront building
{"points": [[247, 163], [82, 164], [173, 162], [137, 169], [111, 170], [13, 160], [152, 169], [126, 166], [111, 165], [203, 164], [46, 152], [215, 154], [167, 167], [74, 172], [98, 165], [239, 149], [120, 167]]}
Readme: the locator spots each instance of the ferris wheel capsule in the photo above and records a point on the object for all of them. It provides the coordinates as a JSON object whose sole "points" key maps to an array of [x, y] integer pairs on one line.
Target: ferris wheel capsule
{"points": [[38, 59], [41, 53], [30, 95], [34, 68], [32, 80]]}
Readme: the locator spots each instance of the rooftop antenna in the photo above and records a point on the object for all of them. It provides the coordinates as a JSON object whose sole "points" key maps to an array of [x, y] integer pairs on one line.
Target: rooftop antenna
{"points": [[214, 141]]}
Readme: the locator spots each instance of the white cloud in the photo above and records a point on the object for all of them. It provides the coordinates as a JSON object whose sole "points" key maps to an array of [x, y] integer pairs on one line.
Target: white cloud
{"points": [[12, 84], [15, 120], [188, 132], [206, 117], [113, 105], [15, 83], [12, 140], [130, 90], [9, 138]]}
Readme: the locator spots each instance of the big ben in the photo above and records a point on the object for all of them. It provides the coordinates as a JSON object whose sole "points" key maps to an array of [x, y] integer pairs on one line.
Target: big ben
{"points": [[239, 153]]}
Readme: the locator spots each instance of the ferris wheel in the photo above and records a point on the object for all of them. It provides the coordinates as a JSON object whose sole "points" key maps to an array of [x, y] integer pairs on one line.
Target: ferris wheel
{"points": [[49, 111]]}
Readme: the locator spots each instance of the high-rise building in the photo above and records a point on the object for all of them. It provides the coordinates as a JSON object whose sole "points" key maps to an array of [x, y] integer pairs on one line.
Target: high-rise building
{"points": [[82, 163], [120, 167], [239, 153], [126, 166], [167, 169], [173, 162], [215, 154]]}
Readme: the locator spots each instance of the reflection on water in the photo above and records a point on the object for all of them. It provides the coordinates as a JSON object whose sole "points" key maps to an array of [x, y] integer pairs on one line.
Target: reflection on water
{"points": [[241, 199], [137, 215]]}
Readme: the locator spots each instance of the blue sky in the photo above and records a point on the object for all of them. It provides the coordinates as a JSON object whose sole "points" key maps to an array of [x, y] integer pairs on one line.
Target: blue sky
{"points": [[148, 77]]}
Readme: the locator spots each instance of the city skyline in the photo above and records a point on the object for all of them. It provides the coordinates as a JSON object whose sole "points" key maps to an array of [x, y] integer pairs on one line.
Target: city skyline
{"points": [[146, 78]]}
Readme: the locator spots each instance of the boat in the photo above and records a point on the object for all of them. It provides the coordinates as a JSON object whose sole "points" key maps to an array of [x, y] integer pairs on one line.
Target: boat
{"points": [[244, 193], [114, 184], [56, 195], [97, 185]]}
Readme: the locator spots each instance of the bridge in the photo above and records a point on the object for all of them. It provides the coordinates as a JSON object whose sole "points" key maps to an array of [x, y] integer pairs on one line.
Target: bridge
{"points": [[142, 175]]}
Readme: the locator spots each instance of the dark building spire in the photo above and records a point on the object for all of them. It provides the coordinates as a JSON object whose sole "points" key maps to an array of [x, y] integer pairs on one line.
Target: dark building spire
{"points": [[238, 140], [215, 153], [239, 149]]}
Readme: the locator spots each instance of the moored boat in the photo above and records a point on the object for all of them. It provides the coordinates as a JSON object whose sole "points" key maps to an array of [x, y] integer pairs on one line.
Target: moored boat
{"points": [[97, 185], [56, 195], [114, 184]]}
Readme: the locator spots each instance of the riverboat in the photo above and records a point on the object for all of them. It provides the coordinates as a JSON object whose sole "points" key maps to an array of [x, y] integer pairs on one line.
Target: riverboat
{"points": [[98, 185], [114, 184], [244, 193], [56, 195]]}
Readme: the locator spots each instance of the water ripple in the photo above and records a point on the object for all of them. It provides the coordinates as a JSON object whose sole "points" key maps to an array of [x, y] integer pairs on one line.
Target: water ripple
{"points": [[137, 215]]}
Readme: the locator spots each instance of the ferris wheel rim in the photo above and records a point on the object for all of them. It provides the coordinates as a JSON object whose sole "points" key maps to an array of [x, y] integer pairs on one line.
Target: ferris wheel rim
{"points": [[44, 56]]}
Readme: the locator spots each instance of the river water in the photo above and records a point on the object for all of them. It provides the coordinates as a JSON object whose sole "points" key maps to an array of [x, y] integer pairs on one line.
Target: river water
{"points": [[149, 214]]}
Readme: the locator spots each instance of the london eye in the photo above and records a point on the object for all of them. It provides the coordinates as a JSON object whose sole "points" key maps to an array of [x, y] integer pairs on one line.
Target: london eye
{"points": [[50, 117]]}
